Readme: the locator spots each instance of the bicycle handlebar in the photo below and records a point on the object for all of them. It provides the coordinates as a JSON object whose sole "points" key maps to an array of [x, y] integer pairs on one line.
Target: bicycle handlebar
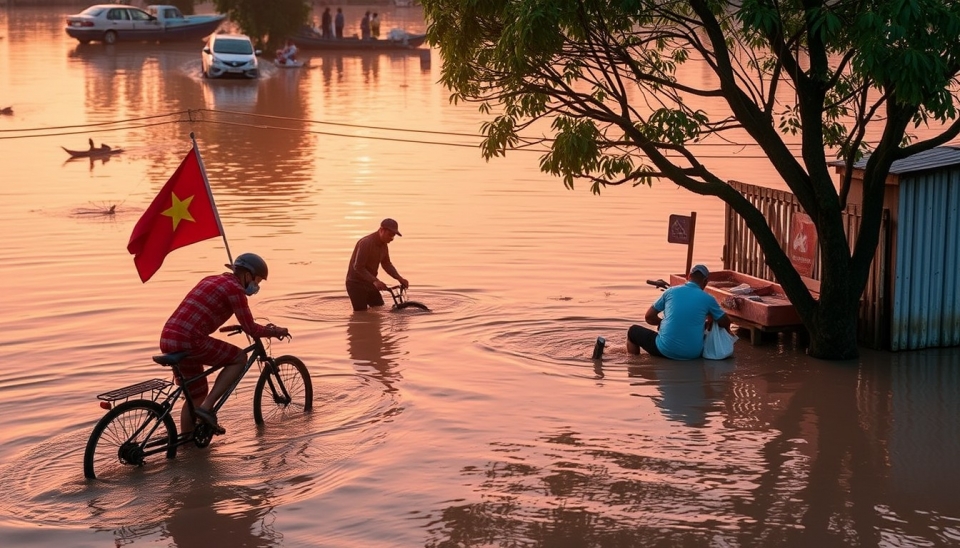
{"points": [[658, 284], [235, 329]]}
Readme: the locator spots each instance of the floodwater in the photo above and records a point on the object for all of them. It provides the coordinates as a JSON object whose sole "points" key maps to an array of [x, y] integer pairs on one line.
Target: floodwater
{"points": [[483, 423]]}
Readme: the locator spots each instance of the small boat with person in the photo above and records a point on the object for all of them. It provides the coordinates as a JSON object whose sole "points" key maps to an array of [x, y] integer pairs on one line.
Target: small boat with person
{"points": [[93, 152]]}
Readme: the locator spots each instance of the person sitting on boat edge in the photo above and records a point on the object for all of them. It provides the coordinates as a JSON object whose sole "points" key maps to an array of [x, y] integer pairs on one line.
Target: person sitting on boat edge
{"points": [[287, 54], [685, 310]]}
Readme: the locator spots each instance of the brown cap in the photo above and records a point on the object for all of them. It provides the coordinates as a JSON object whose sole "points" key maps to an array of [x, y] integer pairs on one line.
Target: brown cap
{"points": [[391, 225]]}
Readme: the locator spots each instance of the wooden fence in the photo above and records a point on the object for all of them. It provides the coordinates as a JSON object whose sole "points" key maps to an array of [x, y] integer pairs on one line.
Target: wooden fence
{"points": [[742, 253]]}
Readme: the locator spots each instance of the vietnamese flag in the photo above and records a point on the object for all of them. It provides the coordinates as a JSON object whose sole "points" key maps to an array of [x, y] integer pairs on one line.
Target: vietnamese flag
{"points": [[181, 214]]}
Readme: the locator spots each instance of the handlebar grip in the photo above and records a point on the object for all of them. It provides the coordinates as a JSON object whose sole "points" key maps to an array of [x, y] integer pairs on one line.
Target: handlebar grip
{"points": [[232, 329]]}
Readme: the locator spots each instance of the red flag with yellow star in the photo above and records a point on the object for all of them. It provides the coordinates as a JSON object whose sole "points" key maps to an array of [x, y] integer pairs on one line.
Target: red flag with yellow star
{"points": [[180, 215]]}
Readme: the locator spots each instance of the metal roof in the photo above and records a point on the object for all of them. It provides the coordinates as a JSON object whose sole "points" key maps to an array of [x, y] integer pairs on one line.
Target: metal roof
{"points": [[934, 158]]}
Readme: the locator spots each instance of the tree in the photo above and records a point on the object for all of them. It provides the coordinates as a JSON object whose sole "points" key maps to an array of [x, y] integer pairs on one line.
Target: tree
{"points": [[267, 23], [844, 78]]}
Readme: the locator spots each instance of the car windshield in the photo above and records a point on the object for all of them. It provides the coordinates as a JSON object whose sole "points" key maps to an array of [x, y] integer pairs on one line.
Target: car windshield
{"points": [[241, 47]]}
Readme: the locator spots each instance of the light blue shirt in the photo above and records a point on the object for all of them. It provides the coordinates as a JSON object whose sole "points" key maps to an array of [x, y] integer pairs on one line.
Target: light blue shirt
{"points": [[685, 309]]}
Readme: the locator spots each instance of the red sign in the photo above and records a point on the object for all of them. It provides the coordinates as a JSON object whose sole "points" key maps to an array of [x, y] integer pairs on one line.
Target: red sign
{"points": [[803, 244], [678, 231]]}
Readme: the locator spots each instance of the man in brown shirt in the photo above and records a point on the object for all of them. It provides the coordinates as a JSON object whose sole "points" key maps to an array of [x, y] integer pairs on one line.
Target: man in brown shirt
{"points": [[369, 255]]}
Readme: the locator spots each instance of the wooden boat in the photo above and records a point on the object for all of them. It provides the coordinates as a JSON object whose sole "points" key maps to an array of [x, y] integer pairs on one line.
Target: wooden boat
{"points": [[309, 40], [6, 111], [745, 297], [92, 153]]}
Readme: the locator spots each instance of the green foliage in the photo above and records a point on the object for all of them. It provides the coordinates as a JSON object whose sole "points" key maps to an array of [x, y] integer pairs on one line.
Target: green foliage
{"points": [[268, 24]]}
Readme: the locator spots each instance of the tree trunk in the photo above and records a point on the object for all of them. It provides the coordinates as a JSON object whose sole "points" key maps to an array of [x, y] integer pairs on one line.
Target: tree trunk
{"points": [[833, 334]]}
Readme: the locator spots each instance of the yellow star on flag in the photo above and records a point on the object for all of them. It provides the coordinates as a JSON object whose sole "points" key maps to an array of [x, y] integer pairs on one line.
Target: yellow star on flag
{"points": [[180, 210]]}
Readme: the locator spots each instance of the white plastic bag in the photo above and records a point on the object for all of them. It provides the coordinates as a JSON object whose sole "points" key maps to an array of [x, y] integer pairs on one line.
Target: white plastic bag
{"points": [[718, 344]]}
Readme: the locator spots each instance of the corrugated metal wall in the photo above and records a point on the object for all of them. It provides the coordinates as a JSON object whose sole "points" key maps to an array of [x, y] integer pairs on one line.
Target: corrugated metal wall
{"points": [[926, 285]]}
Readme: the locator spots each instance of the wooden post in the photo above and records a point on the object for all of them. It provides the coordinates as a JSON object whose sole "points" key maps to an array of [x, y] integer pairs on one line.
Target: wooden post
{"points": [[693, 232]]}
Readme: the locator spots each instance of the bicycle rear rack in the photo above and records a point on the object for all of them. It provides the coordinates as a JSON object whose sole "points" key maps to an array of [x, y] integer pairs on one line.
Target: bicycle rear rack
{"points": [[154, 386]]}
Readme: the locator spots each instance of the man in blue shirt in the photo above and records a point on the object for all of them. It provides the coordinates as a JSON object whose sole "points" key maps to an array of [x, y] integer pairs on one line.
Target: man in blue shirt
{"points": [[685, 309]]}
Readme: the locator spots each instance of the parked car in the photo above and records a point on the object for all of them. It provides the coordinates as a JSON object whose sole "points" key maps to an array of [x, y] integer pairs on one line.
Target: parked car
{"points": [[229, 54], [111, 23]]}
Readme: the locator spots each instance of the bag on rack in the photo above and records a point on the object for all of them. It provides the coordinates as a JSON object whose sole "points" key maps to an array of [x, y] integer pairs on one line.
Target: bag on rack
{"points": [[718, 344]]}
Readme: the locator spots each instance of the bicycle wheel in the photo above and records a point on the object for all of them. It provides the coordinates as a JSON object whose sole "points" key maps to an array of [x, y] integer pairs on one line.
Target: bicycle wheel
{"points": [[284, 395], [412, 304], [126, 435]]}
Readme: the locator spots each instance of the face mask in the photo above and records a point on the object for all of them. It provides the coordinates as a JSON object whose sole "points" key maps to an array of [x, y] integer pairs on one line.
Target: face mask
{"points": [[251, 288]]}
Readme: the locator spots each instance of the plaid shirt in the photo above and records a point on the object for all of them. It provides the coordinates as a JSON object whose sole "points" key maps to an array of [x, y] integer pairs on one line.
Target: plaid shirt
{"points": [[208, 306]]}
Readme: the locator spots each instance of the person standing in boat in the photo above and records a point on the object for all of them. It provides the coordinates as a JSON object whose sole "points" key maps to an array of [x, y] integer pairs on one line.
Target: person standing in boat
{"points": [[375, 26], [326, 24], [338, 23], [365, 26], [680, 331], [368, 256]]}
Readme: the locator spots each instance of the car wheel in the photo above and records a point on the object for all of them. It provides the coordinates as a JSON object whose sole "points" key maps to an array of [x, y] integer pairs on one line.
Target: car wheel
{"points": [[110, 37]]}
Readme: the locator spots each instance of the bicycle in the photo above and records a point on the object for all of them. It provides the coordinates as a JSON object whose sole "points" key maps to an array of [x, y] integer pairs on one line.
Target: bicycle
{"points": [[135, 429], [399, 294]]}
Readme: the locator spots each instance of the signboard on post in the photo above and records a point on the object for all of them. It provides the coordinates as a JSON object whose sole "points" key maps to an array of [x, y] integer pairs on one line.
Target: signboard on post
{"points": [[803, 244], [680, 230]]}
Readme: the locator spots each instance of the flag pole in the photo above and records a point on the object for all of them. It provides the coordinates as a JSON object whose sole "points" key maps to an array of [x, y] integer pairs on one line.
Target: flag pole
{"points": [[206, 183]]}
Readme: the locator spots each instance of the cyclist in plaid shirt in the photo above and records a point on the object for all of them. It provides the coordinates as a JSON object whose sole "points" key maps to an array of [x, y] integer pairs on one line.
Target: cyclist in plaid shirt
{"points": [[205, 308]]}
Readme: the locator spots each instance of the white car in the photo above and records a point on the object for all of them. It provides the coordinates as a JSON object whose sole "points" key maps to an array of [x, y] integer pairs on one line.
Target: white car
{"points": [[229, 54]]}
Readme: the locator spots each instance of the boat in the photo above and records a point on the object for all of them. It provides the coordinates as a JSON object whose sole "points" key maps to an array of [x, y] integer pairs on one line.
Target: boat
{"points": [[288, 64], [112, 23], [307, 39], [92, 153]]}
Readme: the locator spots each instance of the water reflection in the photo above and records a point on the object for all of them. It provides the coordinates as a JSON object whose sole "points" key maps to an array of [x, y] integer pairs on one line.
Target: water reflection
{"points": [[370, 347], [689, 391], [204, 512], [826, 459]]}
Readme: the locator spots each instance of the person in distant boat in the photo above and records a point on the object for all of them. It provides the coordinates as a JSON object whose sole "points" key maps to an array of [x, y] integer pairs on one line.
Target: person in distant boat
{"points": [[375, 25], [368, 256], [685, 310], [326, 24], [103, 147], [338, 23], [203, 310], [365, 26], [288, 53]]}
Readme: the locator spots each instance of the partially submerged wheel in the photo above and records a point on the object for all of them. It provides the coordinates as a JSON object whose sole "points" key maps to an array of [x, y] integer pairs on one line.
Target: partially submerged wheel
{"points": [[121, 439], [270, 404], [412, 304], [110, 37]]}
